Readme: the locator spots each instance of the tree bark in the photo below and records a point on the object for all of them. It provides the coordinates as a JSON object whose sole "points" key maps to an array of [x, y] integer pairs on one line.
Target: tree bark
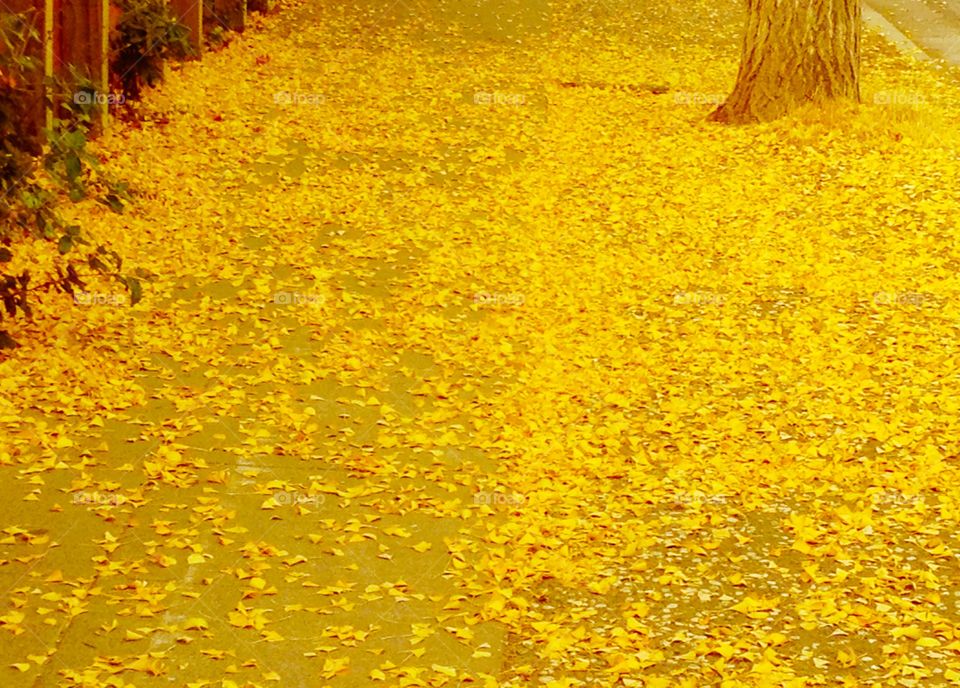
{"points": [[794, 52]]}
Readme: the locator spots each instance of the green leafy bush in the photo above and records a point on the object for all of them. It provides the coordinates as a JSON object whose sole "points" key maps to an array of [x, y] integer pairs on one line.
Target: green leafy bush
{"points": [[32, 180], [146, 36], [18, 70]]}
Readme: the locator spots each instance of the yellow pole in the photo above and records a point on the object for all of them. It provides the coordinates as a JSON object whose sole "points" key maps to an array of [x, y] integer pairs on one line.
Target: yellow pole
{"points": [[48, 20], [104, 75]]}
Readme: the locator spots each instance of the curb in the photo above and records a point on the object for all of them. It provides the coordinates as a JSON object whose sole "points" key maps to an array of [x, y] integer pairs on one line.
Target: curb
{"points": [[877, 21]]}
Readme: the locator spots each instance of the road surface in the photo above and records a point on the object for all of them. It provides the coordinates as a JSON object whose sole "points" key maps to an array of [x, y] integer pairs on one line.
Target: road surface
{"points": [[932, 25]]}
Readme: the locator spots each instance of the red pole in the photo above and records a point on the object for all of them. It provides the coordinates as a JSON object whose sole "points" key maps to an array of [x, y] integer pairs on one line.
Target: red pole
{"points": [[190, 14], [35, 118]]}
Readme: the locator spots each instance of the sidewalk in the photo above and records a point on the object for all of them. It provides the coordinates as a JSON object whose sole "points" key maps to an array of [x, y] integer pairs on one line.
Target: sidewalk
{"points": [[454, 377]]}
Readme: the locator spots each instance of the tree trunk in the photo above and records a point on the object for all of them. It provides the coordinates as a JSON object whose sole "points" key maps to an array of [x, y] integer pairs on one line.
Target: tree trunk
{"points": [[794, 52]]}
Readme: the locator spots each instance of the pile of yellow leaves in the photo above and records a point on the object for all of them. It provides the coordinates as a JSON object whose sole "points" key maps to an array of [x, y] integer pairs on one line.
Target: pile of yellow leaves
{"points": [[471, 356]]}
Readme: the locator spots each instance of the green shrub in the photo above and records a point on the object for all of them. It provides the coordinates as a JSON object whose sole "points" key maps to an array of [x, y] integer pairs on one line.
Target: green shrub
{"points": [[31, 180], [146, 36], [18, 142]]}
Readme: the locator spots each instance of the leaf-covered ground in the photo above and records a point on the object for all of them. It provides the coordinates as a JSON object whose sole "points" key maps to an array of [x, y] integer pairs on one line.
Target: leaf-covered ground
{"points": [[472, 355]]}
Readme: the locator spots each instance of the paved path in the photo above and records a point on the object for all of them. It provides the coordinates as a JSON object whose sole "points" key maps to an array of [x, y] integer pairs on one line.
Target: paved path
{"points": [[248, 513], [377, 261]]}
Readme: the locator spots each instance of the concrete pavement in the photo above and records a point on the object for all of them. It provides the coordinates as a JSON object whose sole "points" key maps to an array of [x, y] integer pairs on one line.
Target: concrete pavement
{"points": [[932, 26]]}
